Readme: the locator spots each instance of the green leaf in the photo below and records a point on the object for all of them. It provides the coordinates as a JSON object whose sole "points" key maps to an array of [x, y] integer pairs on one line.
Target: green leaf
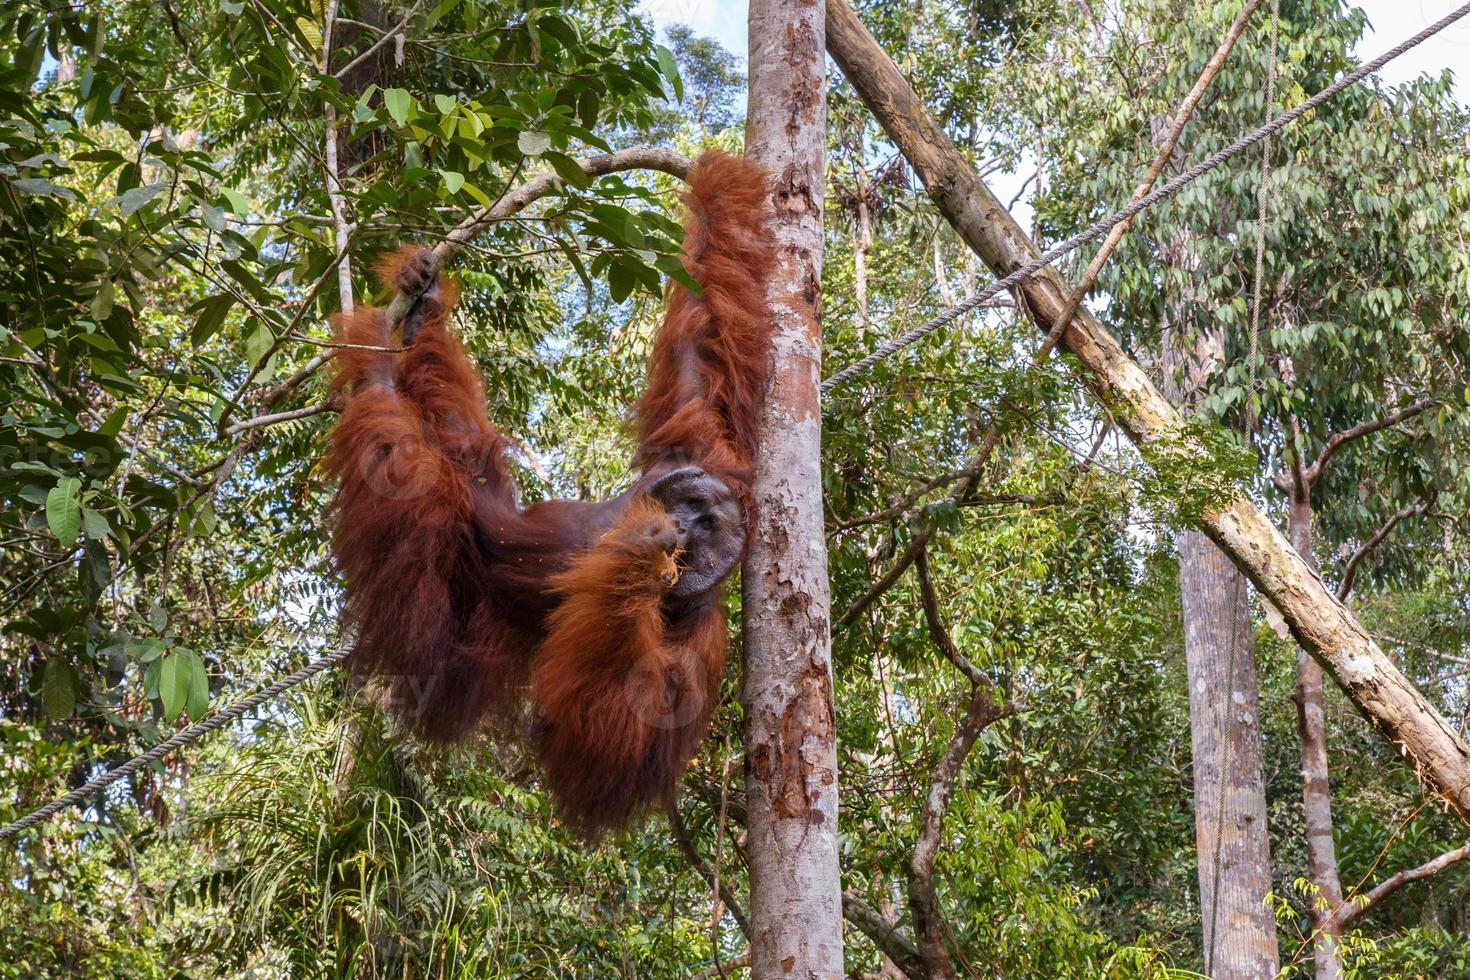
{"points": [[444, 103], [115, 421], [95, 524], [64, 510], [533, 143], [620, 282], [670, 69], [212, 312], [147, 650], [313, 34], [232, 7], [102, 302], [438, 12], [197, 703], [60, 686], [130, 201], [173, 684], [238, 203], [397, 101], [566, 168], [453, 180], [258, 344]]}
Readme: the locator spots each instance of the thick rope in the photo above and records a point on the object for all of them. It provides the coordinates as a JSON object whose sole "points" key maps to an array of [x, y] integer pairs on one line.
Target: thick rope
{"points": [[1263, 216], [883, 352], [177, 740], [888, 348]]}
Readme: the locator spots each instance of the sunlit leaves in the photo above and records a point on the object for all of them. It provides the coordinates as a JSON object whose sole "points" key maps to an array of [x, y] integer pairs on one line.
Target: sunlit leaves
{"points": [[64, 510], [533, 143]]}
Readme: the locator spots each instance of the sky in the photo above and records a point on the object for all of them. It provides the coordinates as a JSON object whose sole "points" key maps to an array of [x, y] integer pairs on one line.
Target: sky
{"points": [[1391, 20]]}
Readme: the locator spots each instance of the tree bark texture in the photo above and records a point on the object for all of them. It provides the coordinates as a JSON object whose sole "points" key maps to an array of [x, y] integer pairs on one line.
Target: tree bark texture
{"points": [[791, 752], [1311, 723], [1231, 841], [1232, 846], [1320, 623]]}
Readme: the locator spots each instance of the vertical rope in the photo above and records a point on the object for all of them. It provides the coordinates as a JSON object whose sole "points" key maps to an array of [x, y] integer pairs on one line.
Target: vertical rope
{"points": [[1263, 216]]}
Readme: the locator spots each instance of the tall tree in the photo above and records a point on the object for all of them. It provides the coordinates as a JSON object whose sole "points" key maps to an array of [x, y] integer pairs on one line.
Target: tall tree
{"points": [[1314, 614], [791, 732]]}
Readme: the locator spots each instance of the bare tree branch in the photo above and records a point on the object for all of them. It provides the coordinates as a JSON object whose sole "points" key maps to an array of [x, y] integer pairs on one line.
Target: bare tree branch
{"points": [[261, 421], [967, 478], [938, 630], [1332, 633], [384, 39], [1166, 150], [1346, 913], [512, 202], [697, 862], [929, 927], [1350, 571], [1339, 439], [521, 197], [885, 935], [875, 591]]}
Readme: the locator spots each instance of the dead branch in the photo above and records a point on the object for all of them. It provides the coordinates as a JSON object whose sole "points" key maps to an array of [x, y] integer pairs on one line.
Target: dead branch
{"points": [[1161, 159], [929, 929]]}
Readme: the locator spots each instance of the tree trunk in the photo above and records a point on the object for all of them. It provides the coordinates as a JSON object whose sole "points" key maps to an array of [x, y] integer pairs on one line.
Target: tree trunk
{"points": [[1234, 850], [1317, 619], [790, 732], [1232, 846], [1316, 789]]}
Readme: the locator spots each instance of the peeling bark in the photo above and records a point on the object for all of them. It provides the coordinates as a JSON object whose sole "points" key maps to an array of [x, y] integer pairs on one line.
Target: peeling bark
{"points": [[791, 749]]}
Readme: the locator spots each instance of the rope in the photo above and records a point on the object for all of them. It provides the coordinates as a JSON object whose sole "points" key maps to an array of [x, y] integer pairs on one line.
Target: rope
{"points": [[884, 351], [890, 347], [1262, 217], [177, 740]]}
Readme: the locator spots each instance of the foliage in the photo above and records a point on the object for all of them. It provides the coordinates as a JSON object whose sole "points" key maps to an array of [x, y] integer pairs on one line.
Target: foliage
{"points": [[168, 250]]}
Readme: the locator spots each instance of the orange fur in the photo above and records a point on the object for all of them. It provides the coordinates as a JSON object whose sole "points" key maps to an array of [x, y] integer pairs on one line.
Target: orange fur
{"points": [[470, 607]]}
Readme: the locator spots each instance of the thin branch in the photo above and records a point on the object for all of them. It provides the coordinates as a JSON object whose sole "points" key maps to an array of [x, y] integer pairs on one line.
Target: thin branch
{"points": [[1161, 159], [921, 539], [261, 421], [723, 968], [387, 36], [1350, 571], [885, 935], [537, 187], [691, 854], [1349, 911], [513, 201], [875, 591], [1339, 439], [938, 630], [929, 927]]}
